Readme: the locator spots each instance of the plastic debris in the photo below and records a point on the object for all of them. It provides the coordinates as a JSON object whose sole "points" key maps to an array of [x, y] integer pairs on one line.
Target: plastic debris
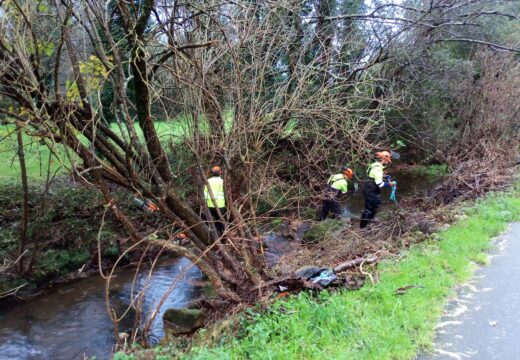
{"points": [[316, 275], [392, 194], [325, 278]]}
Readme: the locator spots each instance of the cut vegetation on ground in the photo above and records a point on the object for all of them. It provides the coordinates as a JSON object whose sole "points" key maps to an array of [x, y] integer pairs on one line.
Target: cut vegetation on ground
{"points": [[392, 319]]}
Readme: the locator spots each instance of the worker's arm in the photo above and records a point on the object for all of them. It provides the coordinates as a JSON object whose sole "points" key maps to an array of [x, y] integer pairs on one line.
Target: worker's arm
{"points": [[343, 186]]}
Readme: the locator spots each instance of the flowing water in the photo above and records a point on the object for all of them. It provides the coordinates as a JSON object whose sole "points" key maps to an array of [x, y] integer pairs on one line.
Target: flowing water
{"points": [[71, 322]]}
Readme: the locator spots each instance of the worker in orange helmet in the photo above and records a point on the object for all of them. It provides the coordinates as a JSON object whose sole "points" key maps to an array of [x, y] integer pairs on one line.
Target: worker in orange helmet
{"points": [[181, 238], [374, 182], [216, 184], [336, 185]]}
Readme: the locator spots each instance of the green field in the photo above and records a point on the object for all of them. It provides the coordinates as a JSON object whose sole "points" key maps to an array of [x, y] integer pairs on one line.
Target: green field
{"points": [[36, 157], [37, 153]]}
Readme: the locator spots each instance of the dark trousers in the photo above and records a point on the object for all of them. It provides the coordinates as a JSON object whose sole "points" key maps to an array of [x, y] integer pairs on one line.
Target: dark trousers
{"points": [[372, 194], [330, 205], [219, 225]]}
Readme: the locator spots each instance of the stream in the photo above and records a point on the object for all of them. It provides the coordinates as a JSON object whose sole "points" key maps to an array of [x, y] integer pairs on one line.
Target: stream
{"points": [[71, 321]]}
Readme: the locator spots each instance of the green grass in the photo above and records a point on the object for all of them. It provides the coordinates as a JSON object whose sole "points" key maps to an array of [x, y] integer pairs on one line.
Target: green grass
{"points": [[36, 156], [37, 153], [374, 322]]}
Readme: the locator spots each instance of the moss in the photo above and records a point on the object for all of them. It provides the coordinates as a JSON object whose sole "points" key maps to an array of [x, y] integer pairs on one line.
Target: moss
{"points": [[432, 171], [322, 230]]}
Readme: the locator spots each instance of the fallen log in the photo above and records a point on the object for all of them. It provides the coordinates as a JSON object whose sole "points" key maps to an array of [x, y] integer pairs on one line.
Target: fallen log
{"points": [[352, 263]]}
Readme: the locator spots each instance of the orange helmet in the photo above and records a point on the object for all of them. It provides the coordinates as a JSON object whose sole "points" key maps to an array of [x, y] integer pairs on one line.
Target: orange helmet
{"points": [[181, 236], [215, 170], [151, 206], [384, 155], [347, 172]]}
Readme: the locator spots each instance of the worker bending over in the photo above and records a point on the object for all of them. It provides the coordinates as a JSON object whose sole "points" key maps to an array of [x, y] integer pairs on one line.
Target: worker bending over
{"points": [[374, 182], [216, 184], [336, 185]]}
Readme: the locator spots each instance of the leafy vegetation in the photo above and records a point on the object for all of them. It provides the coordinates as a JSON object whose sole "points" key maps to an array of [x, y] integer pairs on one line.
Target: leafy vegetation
{"points": [[62, 236], [322, 230]]}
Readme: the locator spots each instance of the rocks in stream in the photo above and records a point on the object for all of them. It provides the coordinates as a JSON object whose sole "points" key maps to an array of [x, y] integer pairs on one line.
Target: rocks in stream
{"points": [[182, 321]]}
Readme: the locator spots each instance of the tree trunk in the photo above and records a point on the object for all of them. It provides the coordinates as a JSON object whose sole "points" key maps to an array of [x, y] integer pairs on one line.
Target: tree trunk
{"points": [[25, 202]]}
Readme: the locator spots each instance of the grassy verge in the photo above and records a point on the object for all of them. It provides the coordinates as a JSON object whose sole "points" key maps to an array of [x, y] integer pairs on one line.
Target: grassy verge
{"points": [[375, 322]]}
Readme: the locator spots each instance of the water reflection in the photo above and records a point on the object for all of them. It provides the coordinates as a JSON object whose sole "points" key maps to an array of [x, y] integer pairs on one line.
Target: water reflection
{"points": [[72, 321]]}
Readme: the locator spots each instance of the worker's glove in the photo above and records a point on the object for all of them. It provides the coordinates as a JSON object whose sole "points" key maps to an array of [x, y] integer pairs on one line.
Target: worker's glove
{"points": [[388, 181]]}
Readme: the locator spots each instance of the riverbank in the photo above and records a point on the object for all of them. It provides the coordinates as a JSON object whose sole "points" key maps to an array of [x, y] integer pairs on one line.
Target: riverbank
{"points": [[63, 233], [393, 318]]}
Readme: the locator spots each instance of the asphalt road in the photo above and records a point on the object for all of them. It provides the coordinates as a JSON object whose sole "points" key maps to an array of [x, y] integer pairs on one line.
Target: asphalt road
{"points": [[483, 322]]}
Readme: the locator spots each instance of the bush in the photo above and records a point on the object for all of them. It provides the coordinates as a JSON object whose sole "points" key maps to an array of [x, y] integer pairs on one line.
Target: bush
{"points": [[62, 261]]}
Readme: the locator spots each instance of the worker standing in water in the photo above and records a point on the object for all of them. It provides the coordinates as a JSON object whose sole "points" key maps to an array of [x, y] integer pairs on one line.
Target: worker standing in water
{"points": [[374, 182], [336, 185], [216, 184]]}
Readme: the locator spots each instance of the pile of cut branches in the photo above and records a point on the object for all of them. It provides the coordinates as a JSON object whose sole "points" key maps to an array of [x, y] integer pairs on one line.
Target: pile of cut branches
{"points": [[471, 179]]}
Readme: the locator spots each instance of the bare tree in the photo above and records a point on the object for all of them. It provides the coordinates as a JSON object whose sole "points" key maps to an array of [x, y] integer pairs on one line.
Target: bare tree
{"points": [[277, 92]]}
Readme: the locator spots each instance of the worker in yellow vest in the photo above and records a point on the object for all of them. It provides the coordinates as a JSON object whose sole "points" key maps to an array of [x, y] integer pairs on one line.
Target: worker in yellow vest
{"points": [[336, 185], [374, 182], [216, 184]]}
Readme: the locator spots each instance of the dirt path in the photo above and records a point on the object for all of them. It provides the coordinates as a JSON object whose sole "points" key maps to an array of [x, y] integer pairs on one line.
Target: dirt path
{"points": [[482, 322]]}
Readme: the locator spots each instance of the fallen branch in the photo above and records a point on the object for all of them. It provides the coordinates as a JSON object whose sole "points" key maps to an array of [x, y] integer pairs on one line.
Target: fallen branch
{"points": [[273, 282], [352, 263], [12, 291]]}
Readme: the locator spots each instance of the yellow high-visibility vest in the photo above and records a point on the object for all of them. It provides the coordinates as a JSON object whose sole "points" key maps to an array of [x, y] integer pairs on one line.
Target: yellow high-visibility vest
{"points": [[216, 184], [376, 172], [338, 182]]}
